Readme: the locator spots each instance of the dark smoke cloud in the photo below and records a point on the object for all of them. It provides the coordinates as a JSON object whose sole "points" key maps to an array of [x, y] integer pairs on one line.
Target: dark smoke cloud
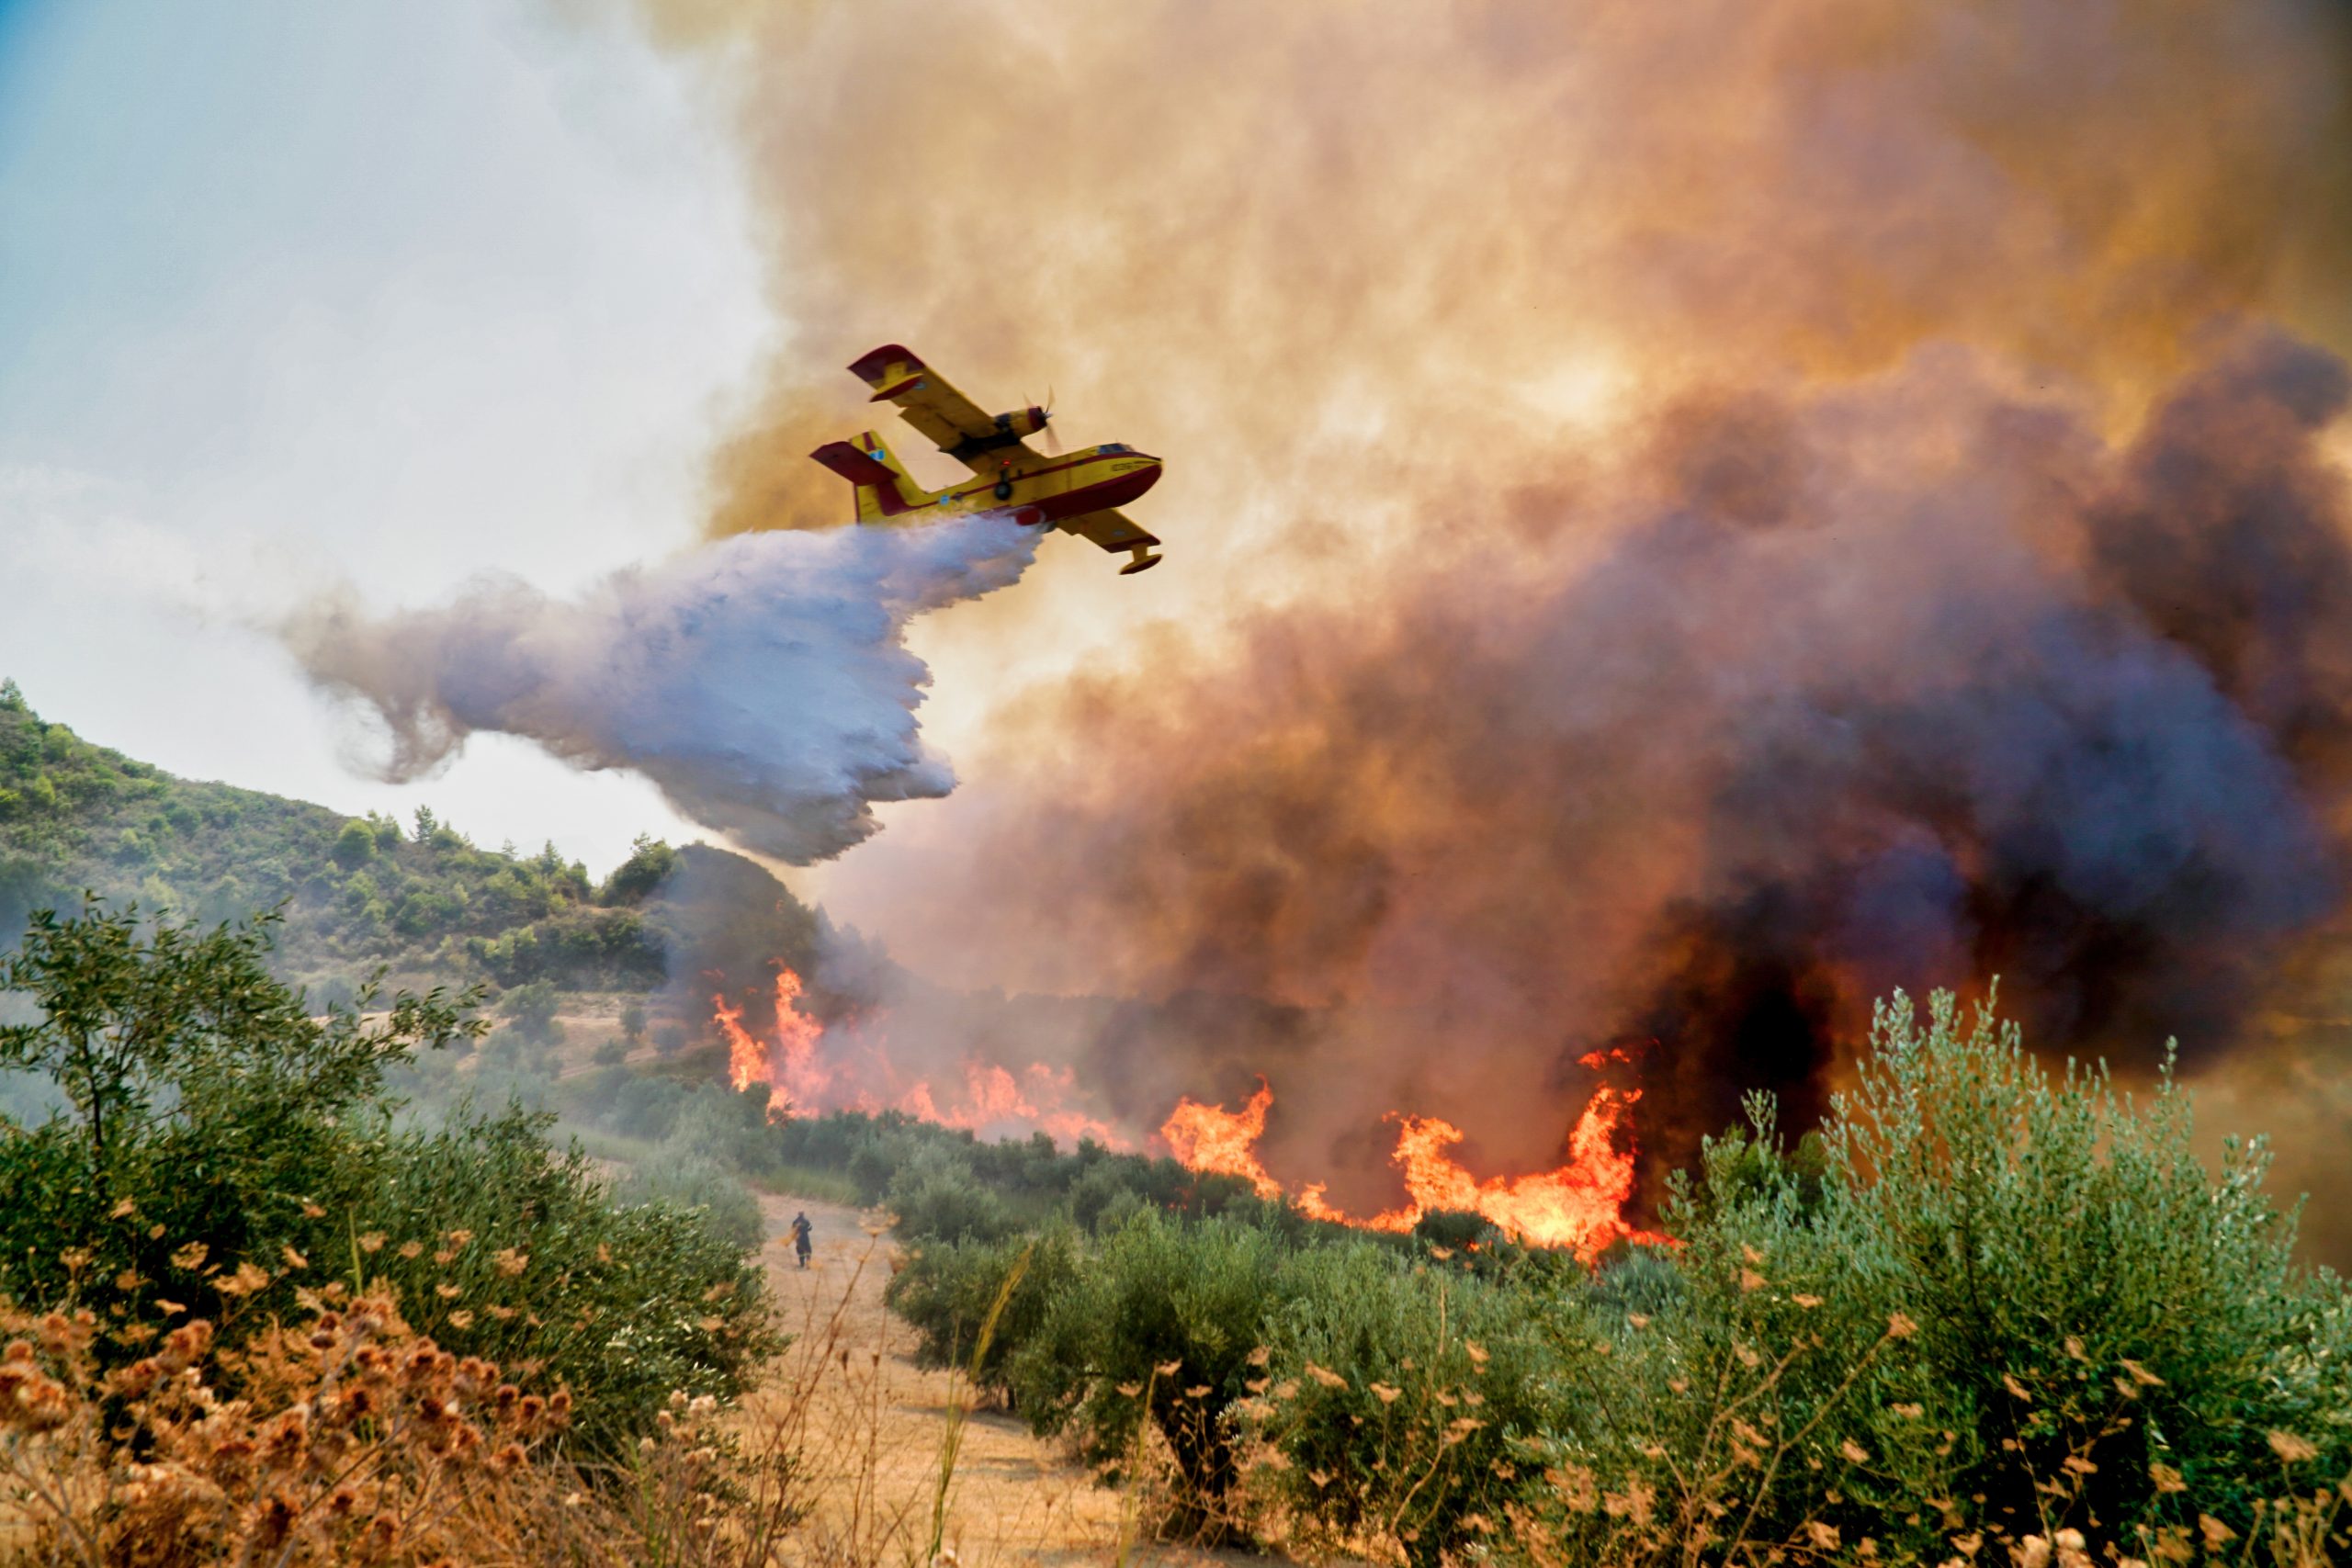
{"points": [[763, 682], [1681, 516], [1915, 683]]}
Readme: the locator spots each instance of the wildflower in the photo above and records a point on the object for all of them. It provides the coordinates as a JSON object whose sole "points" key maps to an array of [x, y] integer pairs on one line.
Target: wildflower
{"points": [[1326, 1376], [1808, 1303], [2033, 1551], [1909, 1412], [1900, 1326], [2217, 1534], [372, 1241], [2166, 1478], [1824, 1536], [123, 1209], [411, 1250], [250, 1277], [461, 1319], [1750, 1280], [1633, 1503], [2291, 1449], [512, 1260], [1854, 1452], [313, 1211], [1385, 1392], [293, 1259], [2017, 1390], [2141, 1374], [1129, 1390]]}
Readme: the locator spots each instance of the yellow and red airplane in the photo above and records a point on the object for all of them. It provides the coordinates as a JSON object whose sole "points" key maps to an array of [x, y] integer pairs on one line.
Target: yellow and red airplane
{"points": [[1080, 492]]}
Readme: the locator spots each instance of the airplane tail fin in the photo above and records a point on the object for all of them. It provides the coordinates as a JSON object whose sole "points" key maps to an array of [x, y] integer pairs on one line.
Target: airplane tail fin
{"points": [[884, 489]]}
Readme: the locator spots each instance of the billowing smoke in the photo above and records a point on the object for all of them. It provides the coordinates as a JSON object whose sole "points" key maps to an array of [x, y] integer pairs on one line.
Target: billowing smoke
{"points": [[1880, 686], [761, 682], [1679, 517]]}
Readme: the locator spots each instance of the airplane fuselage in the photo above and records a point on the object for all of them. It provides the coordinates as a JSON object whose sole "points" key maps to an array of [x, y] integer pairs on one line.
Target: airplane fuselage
{"points": [[1037, 490]]}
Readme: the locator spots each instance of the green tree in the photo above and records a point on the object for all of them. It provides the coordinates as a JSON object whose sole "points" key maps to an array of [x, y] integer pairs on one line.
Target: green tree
{"points": [[354, 846], [207, 1114], [532, 1008], [633, 1022], [648, 865]]}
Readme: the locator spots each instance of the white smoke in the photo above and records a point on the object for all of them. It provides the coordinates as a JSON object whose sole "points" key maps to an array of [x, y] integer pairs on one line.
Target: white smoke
{"points": [[761, 682]]}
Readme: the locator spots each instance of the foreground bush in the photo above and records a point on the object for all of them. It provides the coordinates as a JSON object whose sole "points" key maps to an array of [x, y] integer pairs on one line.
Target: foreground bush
{"points": [[350, 1439], [1991, 1313], [221, 1153], [2016, 1311], [1162, 1327], [1392, 1399], [948, 1290], [502, 1247]]}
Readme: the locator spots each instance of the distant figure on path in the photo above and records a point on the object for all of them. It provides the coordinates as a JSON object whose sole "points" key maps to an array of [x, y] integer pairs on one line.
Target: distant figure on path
{"points": [[801, 1231]]}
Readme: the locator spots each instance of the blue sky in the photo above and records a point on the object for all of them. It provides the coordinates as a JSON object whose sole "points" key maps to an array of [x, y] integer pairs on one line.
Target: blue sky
{"points": [[390, 294]]}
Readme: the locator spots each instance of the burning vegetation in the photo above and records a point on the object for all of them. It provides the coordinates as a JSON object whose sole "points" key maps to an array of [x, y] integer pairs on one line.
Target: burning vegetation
{"points": [[813, 1069]]}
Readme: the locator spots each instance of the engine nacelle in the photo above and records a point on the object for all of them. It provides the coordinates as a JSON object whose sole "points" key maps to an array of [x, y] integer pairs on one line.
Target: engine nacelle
{"points": [[1024, 421]]}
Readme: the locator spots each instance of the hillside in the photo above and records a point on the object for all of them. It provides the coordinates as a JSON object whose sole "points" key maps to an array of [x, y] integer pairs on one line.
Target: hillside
{"points": [[419, 899]]}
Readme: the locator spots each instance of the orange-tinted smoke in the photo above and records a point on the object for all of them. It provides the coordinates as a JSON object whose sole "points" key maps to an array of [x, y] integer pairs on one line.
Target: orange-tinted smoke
{"points": [[1259, 238], [1577, 417]]}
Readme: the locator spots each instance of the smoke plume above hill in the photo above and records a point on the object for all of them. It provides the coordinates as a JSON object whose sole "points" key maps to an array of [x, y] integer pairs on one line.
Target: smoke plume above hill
{"points": [[1679, 517], [761, 682]]}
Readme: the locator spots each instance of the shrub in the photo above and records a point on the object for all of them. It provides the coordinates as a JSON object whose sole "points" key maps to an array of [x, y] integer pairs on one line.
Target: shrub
{"points": [[351, 1439], [348, 1441], [684, 1177], [221, 1153], [532, 1008], [937, 1196], [1162, 1322], [1391, 1395], [2007, 1303], [354, 846], [207, 1116], [948, 1289], [502, 1247]]}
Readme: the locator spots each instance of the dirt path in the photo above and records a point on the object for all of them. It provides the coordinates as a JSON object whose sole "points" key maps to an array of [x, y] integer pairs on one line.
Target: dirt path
{"points": [[874, 1426]]}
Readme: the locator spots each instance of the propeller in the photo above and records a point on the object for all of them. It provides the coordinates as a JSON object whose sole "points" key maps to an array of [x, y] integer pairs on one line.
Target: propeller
{"points": [[1053, 436]]}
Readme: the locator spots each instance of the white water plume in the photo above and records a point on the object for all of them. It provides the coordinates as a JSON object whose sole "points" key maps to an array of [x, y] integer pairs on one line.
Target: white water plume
{"points": [[762, 681]]}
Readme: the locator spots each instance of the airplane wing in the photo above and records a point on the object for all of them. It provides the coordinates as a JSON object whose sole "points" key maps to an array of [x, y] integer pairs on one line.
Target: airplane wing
{"points": [[951, 420], [1111, 529]]}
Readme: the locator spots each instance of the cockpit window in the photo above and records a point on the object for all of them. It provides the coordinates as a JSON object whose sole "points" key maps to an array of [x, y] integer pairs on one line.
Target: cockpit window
{"points": [[1110, 446]]}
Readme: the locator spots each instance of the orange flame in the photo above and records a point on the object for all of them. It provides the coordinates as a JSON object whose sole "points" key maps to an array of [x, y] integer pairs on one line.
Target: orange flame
{"points": [[790, 1062], [1579, 1205], [1211, 1138], [813, 1072]]}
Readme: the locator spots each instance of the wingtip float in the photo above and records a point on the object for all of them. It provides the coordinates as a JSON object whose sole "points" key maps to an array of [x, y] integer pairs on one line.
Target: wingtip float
{"points": [[1080, 492]]}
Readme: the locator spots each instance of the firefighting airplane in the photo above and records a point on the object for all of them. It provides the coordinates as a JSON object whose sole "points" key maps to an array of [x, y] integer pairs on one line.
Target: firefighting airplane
{"points": [[1078, 493]]}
